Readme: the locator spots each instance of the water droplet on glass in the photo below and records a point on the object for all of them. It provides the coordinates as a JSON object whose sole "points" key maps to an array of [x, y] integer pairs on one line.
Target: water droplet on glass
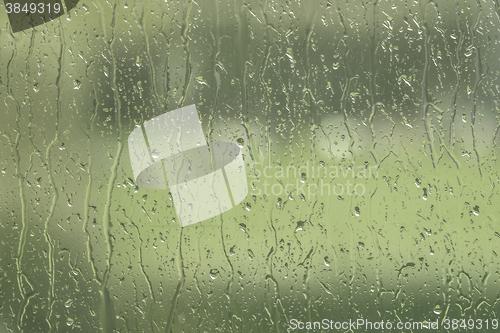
{"points": [[300, 226], [303, 177], [213, 273], [279, 203]]}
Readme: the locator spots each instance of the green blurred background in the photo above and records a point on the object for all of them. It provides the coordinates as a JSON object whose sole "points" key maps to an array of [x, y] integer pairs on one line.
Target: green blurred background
{"points": [[410, 89]]}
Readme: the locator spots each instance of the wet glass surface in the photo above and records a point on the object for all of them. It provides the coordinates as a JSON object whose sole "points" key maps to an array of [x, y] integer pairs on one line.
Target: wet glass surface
{"points": [[369, 133]]}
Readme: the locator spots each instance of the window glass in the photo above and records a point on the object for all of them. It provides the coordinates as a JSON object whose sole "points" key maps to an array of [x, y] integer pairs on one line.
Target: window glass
{"points": [[249, 166]]}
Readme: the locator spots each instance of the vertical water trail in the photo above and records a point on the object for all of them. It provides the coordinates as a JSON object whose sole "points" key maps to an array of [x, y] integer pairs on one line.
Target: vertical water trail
{"points": [[53, 186], [373, 73], [179, 259], [166, 76], [423, 85], [107, 313], [478, 79], [197, 281], [21, 277], [143, 270], [229, 290], [242, 42], [310, 19], [86, 200], [185, 38], [453, 102], [152, 72], [347, 86], [215, 32], [182, 277], [273, 308], [266, 87], [374, 105], [447, 144]]}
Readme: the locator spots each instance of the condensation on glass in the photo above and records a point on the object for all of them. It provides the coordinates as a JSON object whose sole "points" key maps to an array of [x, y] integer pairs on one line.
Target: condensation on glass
{"points": [[370, 138]]}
